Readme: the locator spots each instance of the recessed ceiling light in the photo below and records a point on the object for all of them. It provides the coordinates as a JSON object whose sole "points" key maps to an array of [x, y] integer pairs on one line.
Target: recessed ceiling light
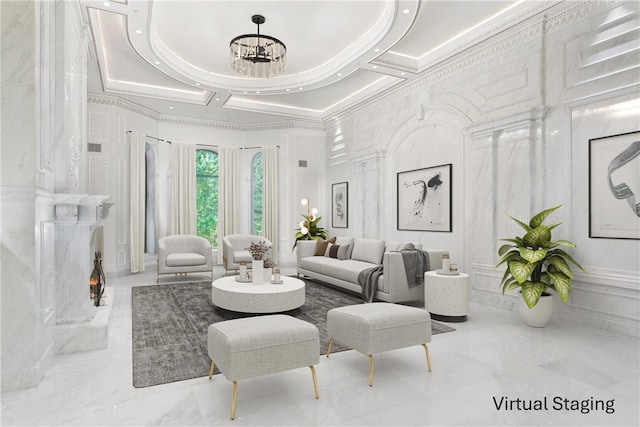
{"points": [[197, 84], [107, 4], [339, 74], [300, 88], [375, 66], [138, 31], [244, 92], [257, 91], [405, 11], [170, 107], [376, 50], [157, 62], [402, 73], [217, 99], [288, 90]]}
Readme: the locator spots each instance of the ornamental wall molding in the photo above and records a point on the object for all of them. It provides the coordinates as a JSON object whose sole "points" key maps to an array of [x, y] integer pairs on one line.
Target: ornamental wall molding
{"points": [[126, 105], [535, 28]]}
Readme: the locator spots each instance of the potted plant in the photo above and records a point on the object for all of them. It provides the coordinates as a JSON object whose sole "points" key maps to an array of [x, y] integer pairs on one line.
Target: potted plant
{"points": [[309, 229], [536, 264]]}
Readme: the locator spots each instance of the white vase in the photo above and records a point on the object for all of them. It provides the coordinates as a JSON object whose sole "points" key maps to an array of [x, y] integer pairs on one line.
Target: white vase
{"points": [[257, 271], [539, 315]]}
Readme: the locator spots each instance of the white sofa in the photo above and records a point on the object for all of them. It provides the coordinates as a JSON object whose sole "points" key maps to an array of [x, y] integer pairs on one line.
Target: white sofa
{"points": [[235, 249], [182, 254], [393, 285]]}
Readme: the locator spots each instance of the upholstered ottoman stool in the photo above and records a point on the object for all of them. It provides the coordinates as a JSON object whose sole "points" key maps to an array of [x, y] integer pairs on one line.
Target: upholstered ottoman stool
{"points": [[377, 327], [253, 346]]}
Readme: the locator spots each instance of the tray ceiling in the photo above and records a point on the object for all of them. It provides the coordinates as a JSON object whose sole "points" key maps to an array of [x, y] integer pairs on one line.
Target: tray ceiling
{"points": [[172, 57]]}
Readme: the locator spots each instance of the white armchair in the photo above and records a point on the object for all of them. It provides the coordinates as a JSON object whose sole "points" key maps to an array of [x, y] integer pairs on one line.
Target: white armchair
{"points": [[235, 250], [182, 254]]}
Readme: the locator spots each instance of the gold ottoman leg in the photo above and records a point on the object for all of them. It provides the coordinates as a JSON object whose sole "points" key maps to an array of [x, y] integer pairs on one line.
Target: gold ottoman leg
{"points": [[370, 370], [211, 369], [426, 349], [315, 382], [330, 345], [233, 399]]}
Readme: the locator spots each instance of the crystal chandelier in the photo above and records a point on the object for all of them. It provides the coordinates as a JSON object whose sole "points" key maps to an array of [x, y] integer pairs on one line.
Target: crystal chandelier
{"points": [[258, 55]]}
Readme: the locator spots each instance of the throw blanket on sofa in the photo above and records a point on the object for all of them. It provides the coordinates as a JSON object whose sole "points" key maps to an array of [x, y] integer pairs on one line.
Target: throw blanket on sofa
{"points": [[368, 280], [416, 262]]}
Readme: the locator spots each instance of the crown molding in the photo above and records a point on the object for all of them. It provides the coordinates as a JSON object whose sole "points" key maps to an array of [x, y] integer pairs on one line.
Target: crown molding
{"points": [[137, 109], [535, 27]]}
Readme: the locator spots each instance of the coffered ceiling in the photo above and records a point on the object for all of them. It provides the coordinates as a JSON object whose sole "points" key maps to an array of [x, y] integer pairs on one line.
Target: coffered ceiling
{"points": [[172, 57]]}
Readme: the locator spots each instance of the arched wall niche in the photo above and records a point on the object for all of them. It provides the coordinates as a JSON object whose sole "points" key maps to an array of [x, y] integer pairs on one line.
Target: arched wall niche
{"points": [[433, 136]]}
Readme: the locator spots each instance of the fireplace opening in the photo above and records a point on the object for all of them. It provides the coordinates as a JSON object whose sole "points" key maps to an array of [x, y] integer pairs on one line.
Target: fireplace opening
{"points": [[97, 280]]}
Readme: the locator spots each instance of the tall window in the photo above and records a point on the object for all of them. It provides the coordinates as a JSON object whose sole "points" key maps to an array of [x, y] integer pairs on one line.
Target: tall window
{"points": [[256, 194], [207, 195]]}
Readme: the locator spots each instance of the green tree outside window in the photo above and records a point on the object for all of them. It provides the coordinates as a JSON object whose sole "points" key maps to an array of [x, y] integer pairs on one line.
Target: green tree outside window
{"points": [[207, 195], [256, 194]]}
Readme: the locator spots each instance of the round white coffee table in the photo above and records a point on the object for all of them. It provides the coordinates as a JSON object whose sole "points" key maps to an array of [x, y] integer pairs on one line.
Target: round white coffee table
{"points": [[446, 297], [266, 297]]}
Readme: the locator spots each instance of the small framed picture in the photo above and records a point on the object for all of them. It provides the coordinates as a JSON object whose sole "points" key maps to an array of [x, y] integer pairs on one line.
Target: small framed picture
{"points": [[614, 186], [424, 199], [340, 205]]}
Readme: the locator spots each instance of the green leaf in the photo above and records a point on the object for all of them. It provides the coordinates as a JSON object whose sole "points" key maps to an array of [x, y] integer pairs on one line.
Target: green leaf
{"points": [[504, 249], [510, 256], [564, 243], [537, 236], [521, 270], [567, 256], [539, 218], [562, 285], [521, 224], [558, 262], [513, 285], [532, 255], [531, 292]]}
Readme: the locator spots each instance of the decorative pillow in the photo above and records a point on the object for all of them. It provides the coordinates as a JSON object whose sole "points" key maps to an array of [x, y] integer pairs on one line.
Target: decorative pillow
{"points": [[332, 250], [343, 251], [368, 250], [321, 245], [346, 241]]}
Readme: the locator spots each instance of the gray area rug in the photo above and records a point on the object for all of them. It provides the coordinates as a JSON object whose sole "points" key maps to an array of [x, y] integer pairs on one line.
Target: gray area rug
{"points": [[170, 325]]}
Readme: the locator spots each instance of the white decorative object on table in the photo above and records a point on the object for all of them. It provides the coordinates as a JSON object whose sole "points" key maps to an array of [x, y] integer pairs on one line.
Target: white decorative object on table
{"points": [[257, 267], [446, 296], [243, 270], [446, 263]]}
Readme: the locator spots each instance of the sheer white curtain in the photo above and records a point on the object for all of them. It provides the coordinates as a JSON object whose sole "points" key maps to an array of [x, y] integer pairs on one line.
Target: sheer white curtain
{"points": [[270, 198], [183, 189], [136, 202], [228, 202]]}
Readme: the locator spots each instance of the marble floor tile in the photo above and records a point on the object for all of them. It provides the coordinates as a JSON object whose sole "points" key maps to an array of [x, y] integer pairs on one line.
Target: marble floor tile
{"points": [[491, 356]]}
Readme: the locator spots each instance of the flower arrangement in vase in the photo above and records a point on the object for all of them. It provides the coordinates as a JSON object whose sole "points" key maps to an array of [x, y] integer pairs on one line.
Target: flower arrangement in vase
{"points": [[309, 229]]}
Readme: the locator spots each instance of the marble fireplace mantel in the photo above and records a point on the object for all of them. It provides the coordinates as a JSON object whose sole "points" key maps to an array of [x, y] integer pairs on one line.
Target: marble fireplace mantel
{"points": [[79, 235], [82, 207]]}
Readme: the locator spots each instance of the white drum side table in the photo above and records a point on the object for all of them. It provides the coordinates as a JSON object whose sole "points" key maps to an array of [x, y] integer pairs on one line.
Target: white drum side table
{"points": [[446, 297]]}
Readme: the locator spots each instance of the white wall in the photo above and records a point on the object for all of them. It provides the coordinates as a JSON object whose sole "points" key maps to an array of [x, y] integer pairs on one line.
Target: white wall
{"points": [[513, 115]]}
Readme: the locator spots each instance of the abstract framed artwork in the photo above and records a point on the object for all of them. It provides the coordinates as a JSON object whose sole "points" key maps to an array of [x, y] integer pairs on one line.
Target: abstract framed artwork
{"points": [[340, 205], [614, 186], [424, 199]]}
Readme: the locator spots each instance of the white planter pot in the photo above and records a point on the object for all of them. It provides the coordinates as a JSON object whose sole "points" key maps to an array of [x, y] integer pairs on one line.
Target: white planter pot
{"points": [[257, 272], [539, 315]]}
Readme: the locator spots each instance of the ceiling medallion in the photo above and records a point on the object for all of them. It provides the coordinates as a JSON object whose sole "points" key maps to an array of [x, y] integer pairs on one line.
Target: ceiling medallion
{"points": [[258, 55]]}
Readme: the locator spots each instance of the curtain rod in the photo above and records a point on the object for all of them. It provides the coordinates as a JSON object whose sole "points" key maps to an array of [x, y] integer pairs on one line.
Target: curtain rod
{"points": [[153, 137], [239, 148]]}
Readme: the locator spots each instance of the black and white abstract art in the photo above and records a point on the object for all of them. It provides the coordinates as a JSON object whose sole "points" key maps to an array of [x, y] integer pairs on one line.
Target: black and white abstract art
{"points": [[424, 199], [614, 186]]}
